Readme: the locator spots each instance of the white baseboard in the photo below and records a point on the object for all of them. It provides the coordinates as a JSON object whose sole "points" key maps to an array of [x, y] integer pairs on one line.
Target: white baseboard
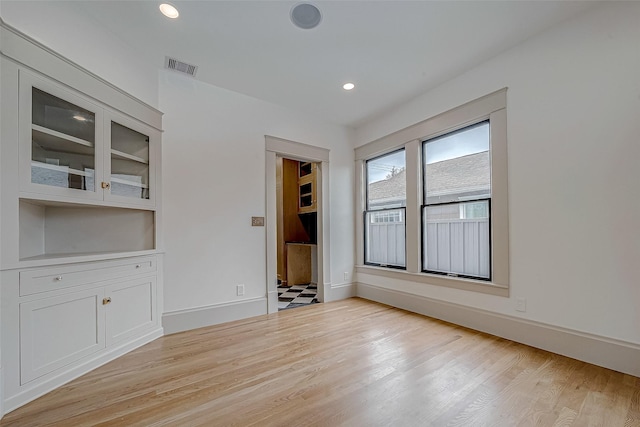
{"points": [[184, 320], [1, 393], [610, 353], [343, 291], [61, 378], [272, 302]]}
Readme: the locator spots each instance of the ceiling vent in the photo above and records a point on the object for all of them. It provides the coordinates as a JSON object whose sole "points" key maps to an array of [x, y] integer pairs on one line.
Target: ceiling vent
{"points": [[179, 66]]}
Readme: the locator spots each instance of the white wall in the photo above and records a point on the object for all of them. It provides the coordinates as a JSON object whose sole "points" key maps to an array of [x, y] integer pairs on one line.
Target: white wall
{"points": [[63, 28], [1, 371], [214, 182], [573, 126]]}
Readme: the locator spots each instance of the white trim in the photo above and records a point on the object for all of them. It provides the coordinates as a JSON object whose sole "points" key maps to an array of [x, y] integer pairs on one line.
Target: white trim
{"points": [[499, 199], [271, 227], [413, 246], [63, 377], [1, 392], [360, 206], [323, 229], [436, 280], [610, 353], [193, 318], [296, 150], [448, 121], [342, 291]]}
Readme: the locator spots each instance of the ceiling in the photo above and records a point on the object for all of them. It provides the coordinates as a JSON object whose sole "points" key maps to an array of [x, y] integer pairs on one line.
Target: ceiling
{"points": [[392, 50]]}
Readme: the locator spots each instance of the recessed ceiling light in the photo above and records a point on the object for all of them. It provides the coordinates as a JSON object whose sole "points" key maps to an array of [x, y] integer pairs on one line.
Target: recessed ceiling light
{"points": [[305, 16], [348, 86], [169, 11]]}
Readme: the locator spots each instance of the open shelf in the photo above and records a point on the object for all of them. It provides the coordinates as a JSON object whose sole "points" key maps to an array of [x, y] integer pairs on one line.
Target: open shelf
{"points": [[60, 258], [127, 156], [35, 164], [131, 183], [61, 230], [48, 138]]}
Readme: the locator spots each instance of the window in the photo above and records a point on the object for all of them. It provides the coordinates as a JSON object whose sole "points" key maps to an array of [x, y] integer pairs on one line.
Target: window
{"points": [[453, 209], [385, 227], [456, 209]]}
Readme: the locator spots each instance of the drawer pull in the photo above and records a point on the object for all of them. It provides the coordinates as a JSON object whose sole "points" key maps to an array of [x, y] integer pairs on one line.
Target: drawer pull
{"points": [[59, 279], [106, 301]]}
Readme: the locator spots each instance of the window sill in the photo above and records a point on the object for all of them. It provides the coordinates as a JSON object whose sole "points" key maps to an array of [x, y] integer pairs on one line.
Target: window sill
{"points": [[437, 280]]}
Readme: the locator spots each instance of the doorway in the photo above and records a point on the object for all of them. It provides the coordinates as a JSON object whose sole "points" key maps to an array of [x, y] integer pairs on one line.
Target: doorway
{"points": [[297, 237], [296, 210]]}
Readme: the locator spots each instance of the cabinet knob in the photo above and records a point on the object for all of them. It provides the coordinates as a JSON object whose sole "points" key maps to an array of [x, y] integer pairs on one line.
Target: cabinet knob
{"points": [[59, 279], [106, 301], [138, 266]]}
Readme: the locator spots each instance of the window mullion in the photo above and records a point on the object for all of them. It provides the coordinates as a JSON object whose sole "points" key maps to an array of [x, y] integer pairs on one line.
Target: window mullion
{"points": [[414, 191]]}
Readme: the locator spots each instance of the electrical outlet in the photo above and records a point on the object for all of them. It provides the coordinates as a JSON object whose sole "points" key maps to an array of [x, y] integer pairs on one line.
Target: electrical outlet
{"points": [[521, 304], [240, 290], [346, 276]]}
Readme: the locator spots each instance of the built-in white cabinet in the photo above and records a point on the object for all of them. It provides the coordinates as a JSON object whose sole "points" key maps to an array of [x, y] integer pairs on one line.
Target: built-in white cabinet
{"points": [[66, 315], [73, 148], [80, 214]]}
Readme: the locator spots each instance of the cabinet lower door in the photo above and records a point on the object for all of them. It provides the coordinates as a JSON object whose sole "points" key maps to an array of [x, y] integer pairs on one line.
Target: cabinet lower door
{"points": [[131, 309], [57, 331]]}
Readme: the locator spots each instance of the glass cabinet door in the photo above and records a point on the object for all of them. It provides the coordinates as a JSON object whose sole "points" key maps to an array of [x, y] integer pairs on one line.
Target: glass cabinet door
{"points": [[129, 162], [72, 148], [63, 143]]}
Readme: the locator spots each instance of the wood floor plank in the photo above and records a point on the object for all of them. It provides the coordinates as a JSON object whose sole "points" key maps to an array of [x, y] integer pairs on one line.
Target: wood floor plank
{"points": [[347, 363]]}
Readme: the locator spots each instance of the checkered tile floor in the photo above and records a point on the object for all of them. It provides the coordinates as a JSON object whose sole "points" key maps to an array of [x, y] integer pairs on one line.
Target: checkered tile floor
{"points": [[296, 296]]}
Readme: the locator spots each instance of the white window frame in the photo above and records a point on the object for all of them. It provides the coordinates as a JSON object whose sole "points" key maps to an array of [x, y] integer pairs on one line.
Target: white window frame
{"points": [[491, 107], [383, 211]]}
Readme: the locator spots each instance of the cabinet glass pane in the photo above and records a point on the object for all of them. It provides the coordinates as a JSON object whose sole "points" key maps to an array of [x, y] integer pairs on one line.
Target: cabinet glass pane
{"points": [[305, 189], [305, 169], [63, 143], [129, 162]]}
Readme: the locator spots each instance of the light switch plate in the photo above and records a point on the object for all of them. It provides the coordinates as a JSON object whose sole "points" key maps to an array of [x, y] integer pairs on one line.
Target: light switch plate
{"points": [[257, 221]]}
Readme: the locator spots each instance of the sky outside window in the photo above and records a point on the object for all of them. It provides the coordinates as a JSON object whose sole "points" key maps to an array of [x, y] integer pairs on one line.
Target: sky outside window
{"points": [[470, 141]]}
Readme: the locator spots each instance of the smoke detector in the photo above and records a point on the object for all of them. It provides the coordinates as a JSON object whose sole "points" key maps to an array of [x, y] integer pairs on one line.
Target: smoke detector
{"points": [[179, 66], [305, 16]]}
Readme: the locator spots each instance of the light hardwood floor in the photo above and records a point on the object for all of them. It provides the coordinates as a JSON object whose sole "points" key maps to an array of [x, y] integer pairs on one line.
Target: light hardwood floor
{"points": [[347, 363]]}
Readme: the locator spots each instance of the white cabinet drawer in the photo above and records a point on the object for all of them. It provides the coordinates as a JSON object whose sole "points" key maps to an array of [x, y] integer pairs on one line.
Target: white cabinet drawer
{"points": [[54, 278]]}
